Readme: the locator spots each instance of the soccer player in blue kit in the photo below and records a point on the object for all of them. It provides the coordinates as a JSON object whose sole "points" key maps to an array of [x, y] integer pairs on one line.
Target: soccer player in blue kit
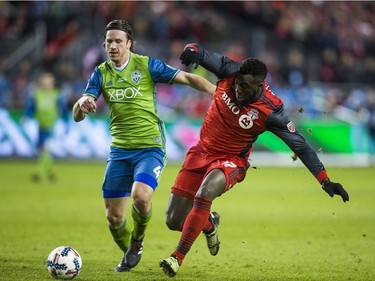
{"points": [[137, 154]]}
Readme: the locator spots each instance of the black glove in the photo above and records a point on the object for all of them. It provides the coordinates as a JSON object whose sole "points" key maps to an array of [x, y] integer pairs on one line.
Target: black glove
{"points": [[333, 188], [191, 55]]}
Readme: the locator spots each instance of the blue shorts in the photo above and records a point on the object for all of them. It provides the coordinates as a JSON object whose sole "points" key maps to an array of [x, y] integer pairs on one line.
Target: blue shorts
{"points": [[44, 135], [126, 166]]}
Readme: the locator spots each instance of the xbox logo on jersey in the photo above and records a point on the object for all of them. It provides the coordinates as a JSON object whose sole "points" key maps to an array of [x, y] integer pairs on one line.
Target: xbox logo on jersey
{"points": [[121, 94]]}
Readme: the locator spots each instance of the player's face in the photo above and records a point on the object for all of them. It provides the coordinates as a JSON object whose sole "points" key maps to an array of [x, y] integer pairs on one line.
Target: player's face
{"points": [[117, 45], [247, 89]]}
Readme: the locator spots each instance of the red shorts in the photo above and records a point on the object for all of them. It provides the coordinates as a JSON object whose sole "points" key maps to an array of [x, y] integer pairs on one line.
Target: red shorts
{"points": [[199, 163]]}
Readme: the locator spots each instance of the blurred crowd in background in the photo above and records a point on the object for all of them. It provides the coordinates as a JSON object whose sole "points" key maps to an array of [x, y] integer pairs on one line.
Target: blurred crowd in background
{"points": [[320, 54]]}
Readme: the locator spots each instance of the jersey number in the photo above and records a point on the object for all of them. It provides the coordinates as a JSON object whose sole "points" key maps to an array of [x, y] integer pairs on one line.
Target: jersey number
{"points": [[157, 171], [229, 164]]}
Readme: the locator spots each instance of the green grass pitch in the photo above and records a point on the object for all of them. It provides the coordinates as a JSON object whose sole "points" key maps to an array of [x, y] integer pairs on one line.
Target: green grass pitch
{"points": [[278, 224]]}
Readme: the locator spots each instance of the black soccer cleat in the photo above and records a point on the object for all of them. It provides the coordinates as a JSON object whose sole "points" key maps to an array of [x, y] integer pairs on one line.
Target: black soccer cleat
{"points": [[134, 253], [122, 267]]}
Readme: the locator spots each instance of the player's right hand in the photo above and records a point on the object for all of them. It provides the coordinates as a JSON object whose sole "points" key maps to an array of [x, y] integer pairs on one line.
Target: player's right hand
{"points": [[190, 55], [333, 188], [87, 104]]}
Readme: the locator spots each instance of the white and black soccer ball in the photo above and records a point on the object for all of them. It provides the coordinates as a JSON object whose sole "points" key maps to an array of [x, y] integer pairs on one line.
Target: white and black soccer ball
{"points": [[64, 263]]}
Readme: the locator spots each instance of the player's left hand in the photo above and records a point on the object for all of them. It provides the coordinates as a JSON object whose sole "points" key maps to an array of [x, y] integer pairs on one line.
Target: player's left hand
{"points": [[333, 188]]}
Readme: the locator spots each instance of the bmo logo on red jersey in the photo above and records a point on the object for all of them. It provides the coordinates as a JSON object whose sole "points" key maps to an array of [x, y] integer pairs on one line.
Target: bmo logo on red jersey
{"points": [[245, 120]]}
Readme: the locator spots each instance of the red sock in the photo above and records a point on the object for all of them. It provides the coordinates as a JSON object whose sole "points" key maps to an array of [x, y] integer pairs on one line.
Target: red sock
{"points": [[195, 222], [208, 226]]}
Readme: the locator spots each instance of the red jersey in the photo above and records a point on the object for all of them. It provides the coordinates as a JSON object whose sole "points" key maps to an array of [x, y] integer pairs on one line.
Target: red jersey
{"points": [[231, 129]]}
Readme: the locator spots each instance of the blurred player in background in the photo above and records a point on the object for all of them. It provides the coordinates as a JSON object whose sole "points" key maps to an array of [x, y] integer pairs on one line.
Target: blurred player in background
{"points": [[137, 155], [46, 105], [243, 107]]}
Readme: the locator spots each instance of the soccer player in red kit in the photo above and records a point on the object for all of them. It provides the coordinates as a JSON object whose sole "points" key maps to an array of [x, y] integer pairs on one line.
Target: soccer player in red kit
{"points": [[243, 107]]}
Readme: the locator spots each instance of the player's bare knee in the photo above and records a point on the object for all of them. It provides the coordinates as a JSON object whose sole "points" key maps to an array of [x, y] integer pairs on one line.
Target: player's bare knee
{"points": [[141, 197], [115, 221], [172, 222], [142, 205]]}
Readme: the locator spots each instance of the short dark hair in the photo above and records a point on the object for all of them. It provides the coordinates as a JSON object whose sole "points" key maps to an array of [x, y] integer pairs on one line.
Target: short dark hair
{"points": [[254, 67], [121, 25]]}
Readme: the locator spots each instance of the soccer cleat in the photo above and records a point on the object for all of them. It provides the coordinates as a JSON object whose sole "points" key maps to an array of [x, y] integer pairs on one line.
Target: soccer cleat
{"points": [[212, 237], [170, 266], [134, 253], [122, 267]]}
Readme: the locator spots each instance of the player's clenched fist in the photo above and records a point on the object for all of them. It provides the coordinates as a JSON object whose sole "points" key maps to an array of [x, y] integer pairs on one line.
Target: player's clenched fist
{"points": [[87, 104], [191, 55], [82, 107]]}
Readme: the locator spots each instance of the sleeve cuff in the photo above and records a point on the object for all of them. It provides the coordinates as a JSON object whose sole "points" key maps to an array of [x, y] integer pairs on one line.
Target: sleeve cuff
{"points": [[321, 176], [192, 46]]}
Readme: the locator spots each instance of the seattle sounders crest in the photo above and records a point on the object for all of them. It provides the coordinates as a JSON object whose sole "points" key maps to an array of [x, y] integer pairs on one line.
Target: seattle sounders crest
{"points": [[136, 76]]}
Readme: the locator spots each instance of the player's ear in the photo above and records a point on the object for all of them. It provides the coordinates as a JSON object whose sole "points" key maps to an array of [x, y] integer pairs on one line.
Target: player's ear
{"points": [[104, 44], [129, 43]]}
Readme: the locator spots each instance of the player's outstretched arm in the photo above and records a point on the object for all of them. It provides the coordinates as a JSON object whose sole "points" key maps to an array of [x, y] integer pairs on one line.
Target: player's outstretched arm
{"points": [[195, 81], [82, 107], [279, 124], [218, 64], [333, 188]]}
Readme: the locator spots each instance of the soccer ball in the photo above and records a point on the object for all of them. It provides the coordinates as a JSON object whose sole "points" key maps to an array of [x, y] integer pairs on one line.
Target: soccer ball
{"points": [[64, 263]]}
